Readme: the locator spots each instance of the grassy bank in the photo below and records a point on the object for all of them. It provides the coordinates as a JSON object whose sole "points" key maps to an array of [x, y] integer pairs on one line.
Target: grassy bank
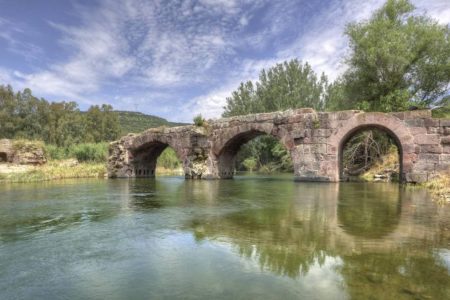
{"points": [[439, 187], [56, 170], [86, 160]]}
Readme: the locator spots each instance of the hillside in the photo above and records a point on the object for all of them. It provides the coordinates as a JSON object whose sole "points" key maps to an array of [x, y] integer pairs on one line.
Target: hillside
{"points": [[137, 122]]}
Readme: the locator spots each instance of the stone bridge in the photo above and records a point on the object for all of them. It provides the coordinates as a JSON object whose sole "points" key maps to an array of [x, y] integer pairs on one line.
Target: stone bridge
{"points": [[315, 141]]}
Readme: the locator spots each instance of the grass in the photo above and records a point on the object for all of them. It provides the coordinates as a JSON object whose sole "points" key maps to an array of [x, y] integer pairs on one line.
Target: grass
{"points": [[57, 170], [439, 187], [388, 164]]}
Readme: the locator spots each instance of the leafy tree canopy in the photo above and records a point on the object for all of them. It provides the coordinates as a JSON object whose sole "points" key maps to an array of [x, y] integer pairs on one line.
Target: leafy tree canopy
{"points": [[396, 59], [290, 84]]}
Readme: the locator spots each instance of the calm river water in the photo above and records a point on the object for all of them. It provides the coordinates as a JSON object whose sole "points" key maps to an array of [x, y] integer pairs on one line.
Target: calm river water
{"points": [[247, 238]]}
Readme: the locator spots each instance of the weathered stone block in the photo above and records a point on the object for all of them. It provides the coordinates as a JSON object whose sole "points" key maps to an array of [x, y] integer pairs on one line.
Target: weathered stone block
{"points": [[434, 130], [446, 149], [418, 130], [416, 177], [444, 123], [321, 132], [417, 114], [444, 158], [415, 122], [430, 148], [445, 140], [429, 122], [424, 139]]}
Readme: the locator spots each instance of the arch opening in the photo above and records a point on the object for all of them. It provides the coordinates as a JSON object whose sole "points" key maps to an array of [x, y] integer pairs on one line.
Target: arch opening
{"points": [[370, 152], [155, 158], [3, 157], [253, 151]]}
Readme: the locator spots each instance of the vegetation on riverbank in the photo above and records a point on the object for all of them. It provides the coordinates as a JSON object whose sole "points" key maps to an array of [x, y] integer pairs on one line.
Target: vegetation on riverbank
{"points": [[61, 169], [439, 187], [387, 169], [86, 160]]}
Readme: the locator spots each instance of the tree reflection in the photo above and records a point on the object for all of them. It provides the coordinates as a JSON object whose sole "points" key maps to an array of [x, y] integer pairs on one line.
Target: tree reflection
{"points": [[369, 211], [286, 239]]}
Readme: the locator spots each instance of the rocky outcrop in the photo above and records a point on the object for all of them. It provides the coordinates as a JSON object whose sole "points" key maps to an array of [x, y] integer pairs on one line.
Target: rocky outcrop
{"points": [[6, 150], [22, 152]]}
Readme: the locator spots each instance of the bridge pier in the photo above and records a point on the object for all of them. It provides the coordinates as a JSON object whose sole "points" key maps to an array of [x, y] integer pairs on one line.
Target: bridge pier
{"points": [[315, 141]]}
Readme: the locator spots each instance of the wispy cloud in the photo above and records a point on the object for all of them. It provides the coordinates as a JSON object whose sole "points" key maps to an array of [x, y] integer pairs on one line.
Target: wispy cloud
{"points": [[15, 34], [180, 58]]}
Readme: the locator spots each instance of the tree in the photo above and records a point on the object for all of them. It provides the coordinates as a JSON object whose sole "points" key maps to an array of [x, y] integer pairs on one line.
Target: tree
{"points": [[290, 84], [23, 115], [396, 59]]}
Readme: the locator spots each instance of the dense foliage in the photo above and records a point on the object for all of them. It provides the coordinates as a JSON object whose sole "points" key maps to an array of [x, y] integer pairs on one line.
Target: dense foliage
{"points": [[24, 116], [396, 59], [287, 85]]}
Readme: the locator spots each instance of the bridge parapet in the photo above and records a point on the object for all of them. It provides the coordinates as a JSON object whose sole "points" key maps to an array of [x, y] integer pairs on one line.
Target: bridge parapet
{"points": [[314, 140]]}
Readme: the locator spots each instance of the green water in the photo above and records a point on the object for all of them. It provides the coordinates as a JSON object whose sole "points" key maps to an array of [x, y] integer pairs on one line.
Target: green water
{"points": [[247, 238]]}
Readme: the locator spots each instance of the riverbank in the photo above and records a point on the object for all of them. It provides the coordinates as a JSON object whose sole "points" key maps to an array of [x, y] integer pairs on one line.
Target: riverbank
{"points": [[63, 169], [387, 169], [52, 170]]}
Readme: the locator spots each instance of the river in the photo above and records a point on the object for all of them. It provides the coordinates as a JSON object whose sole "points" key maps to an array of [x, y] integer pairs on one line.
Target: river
{"points": [[253, 237]]}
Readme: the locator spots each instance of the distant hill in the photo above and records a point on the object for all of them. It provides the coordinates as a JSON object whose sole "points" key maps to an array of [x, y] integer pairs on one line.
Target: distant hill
{"points": [[136, 122]]}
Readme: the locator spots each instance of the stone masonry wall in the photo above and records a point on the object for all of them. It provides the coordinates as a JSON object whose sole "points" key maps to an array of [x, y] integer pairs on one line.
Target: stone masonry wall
{"points": [[314, 140]]}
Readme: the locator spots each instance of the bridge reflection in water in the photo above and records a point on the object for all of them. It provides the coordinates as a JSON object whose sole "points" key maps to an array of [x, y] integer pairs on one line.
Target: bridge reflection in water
{"points": [[369, 234]]}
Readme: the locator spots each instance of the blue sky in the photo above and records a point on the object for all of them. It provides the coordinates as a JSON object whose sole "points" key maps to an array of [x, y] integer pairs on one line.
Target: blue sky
{"points": [[173, 59]]}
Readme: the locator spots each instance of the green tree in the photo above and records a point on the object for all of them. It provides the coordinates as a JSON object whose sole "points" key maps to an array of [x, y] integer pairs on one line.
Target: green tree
{"points": [[8, 106], [396, 59], [290, 84], [102, 124]]}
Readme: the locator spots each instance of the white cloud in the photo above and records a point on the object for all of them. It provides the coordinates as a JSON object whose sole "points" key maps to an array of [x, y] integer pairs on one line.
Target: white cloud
{"points": [[163, 52]]}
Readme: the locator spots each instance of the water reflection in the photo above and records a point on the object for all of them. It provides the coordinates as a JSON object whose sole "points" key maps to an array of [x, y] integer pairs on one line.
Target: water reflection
{"points": [[334, 241], [368, 210], [374, 229]]}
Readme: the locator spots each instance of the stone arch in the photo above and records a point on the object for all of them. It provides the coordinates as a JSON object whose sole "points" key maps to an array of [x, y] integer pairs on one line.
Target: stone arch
{"points": [[225, 148], [144, 152], [387, 123]]}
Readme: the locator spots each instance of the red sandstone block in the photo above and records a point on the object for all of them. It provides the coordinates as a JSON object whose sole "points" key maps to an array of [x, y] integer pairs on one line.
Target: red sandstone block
{"points": [[432, 122], [415, 122], [417, 114], [431, 149], [444, 159], [444, 123], [418, 130], [424, 139]]}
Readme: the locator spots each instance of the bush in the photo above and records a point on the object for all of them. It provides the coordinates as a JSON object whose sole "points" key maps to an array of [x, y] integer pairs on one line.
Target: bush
{"points": [[90, 152], [27, 146], [198, 120], [53, 152]]}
